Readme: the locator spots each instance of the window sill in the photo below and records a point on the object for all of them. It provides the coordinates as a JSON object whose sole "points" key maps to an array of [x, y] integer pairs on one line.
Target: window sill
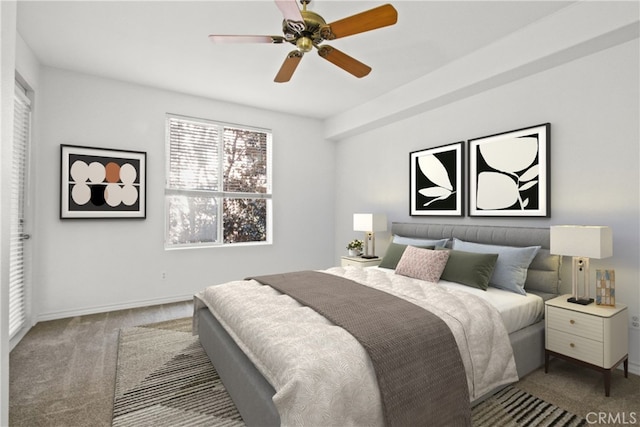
{"points": [[214, 245]]}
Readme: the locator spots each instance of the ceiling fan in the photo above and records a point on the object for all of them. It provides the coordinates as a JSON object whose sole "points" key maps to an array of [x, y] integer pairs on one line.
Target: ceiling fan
{"points": [[306, 29]]}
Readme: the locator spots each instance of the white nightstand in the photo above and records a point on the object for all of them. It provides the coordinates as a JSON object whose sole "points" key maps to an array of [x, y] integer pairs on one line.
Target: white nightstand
{"points": [[594, 336], [359, 261]]}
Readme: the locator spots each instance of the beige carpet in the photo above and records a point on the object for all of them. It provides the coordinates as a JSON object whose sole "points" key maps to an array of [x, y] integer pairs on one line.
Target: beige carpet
{"points": [[581, 391], [63, 371], [164, 378]]}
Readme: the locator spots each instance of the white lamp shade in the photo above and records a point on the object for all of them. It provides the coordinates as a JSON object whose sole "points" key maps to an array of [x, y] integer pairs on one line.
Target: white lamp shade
{"points": [[369, 222], [582, 241]]}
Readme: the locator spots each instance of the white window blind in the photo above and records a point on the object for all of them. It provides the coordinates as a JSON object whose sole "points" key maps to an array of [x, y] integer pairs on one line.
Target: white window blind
{"points": [[21, 125], [193, 155], [218, 183]]}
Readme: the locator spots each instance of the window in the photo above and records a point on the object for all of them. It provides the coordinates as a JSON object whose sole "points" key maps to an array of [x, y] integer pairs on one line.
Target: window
{"points": [[218, 183]]}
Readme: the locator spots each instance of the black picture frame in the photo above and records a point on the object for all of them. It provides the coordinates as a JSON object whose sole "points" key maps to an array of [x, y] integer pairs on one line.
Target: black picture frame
{"points": [[437, 181], [509, 174], [99, 183]]}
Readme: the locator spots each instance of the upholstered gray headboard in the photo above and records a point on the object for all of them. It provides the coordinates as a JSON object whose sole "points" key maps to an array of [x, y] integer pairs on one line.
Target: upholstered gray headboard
{"points": [[543, 276]]}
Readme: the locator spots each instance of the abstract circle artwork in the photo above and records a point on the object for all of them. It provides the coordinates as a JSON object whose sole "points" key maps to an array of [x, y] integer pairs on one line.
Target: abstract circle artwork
{"points": [[99, 183]]}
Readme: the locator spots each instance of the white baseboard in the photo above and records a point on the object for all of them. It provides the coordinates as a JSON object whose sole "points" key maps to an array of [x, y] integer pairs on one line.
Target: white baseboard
{"points": [[43, 317], [18, 336]]}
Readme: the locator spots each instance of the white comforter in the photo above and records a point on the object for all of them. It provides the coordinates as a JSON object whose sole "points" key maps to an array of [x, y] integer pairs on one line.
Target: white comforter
{"points": [[321, 374]]}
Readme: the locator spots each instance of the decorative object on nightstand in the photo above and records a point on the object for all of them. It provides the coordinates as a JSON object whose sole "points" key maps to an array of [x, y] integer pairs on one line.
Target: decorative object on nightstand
{"points": [[606, 287], [369, 223], [581, 242], [594, 336], [355, 247]]}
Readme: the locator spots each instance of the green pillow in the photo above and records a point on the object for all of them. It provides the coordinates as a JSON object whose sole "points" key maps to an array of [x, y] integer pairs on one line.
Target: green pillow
{"points": [[394, 253], [469, 268]]}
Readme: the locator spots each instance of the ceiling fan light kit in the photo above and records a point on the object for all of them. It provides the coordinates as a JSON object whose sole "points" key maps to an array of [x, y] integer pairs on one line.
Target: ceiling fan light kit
{"points": [[306, 29], [304, 44]]}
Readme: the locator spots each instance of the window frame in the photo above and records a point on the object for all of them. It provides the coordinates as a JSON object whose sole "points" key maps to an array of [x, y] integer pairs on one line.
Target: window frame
{"points": [[218, 195]]}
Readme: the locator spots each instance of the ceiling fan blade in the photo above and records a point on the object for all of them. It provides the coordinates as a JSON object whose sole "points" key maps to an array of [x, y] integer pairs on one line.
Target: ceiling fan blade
{"points": [[288, 66], [220, 38], [344, 61], [293, 24], [377, 17], [290, 10]]}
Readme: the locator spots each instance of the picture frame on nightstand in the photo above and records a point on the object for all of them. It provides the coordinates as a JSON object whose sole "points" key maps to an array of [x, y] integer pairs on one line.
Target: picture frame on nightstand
{"points": [[606, 287]]}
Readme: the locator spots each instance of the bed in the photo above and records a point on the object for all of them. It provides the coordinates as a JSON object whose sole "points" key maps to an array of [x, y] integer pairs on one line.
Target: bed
{"points": [[254, 395]]}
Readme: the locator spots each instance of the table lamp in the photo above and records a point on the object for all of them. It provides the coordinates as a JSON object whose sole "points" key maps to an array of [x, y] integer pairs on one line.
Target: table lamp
{"points": [[581, 242], [369, 223]]}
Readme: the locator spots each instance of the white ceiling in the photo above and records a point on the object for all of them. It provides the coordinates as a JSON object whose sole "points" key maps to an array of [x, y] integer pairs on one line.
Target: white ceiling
{"points": [[164, 44]]}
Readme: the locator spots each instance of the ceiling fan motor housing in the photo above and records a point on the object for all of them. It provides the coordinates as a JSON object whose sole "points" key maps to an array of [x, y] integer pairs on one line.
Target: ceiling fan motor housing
{"points": [[305, 34]]}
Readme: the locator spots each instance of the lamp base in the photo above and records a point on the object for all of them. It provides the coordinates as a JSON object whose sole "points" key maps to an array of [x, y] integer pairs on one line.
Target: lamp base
{"points": [[581, 301], [368, 256]]}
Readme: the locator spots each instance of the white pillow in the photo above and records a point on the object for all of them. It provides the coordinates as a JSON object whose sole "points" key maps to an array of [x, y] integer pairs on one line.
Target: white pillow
{"points": [[415, 241], [510, 271]]}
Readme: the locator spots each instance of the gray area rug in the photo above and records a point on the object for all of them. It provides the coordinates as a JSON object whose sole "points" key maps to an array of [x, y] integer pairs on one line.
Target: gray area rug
{"points": [[164, 378], [514, 407]]}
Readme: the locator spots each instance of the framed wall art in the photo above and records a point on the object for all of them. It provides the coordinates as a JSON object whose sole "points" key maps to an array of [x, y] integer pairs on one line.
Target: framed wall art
{"points": [[102, 183], [437, 180], [509, 174]]}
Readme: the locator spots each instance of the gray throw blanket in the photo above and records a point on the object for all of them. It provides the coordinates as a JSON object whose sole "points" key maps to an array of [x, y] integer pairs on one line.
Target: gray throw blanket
{"points": [[417, 363]]}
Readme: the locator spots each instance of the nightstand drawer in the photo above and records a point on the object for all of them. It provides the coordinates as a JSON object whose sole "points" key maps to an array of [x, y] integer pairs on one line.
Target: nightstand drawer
{"points": [[580, 348], [571, 322]]}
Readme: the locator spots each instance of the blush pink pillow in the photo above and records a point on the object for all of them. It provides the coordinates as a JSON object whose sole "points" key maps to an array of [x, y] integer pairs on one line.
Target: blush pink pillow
{"points": [[423, 264]]}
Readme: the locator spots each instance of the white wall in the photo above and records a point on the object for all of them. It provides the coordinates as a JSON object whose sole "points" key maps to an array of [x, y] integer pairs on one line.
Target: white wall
{"points": [[592, 105], [97, 265]]}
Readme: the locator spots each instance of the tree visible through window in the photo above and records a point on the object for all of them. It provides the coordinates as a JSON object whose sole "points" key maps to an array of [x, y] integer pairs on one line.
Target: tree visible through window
{"points": [[218, 183]]}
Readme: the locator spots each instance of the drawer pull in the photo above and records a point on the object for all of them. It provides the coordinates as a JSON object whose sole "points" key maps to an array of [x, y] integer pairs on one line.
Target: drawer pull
{"points": [[572, 345], [572, 321]]}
